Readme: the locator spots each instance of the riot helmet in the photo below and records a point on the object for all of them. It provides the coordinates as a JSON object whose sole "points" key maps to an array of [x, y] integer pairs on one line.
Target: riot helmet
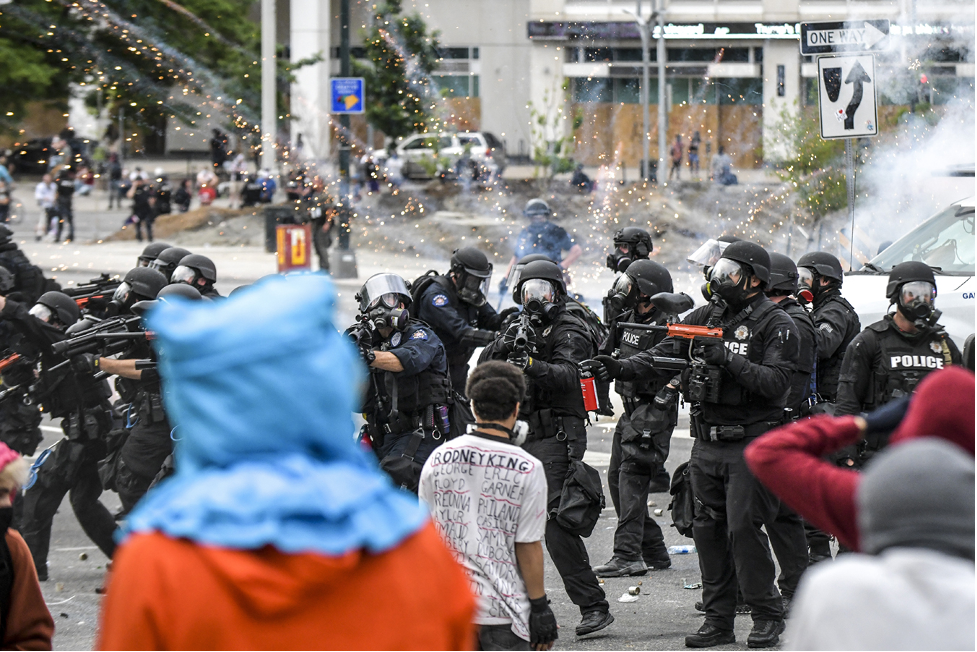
{"points": [[516, 271], [57, 309], [537, 208], [139, 284], [167, 260], [196, 270], [912, 287], [630, 244], [542, 289], [642, 280], [815, 265], [152, 250], [472, 272], [783, 276], [384, 300], [729, 278], [167, 293]]}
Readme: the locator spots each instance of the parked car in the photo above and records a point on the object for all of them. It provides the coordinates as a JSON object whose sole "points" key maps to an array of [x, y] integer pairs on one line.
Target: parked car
{"points": [[419, 152], [34, 156], [946, 243]]}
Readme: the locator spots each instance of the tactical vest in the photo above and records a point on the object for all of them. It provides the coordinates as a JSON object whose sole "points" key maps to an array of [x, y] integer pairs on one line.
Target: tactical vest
{"points": [[807, 359], [901, 362], [829, 370], [632, 341], [738, 338], [563, 403]]}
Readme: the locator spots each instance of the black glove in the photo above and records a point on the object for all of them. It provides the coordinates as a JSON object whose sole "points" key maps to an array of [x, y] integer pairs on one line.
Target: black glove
{"points": [[520, 359], [542, 623], [603, 368], [85, 363], [497, 320], [368, 355], [712, 350], [880, 423]]}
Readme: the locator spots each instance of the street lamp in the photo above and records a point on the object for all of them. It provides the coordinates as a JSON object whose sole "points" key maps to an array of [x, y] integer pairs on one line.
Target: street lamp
{"points": [[644, 28]]}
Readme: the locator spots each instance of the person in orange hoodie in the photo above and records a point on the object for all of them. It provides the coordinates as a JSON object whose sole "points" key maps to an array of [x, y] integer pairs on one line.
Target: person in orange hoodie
{"points": [[790, 462], [25, 622], [277, 531]]}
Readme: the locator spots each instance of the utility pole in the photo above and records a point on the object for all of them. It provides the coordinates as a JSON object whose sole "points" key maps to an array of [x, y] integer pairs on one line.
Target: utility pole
{"points": [[644, 24], [344, 144], [269, 105], [662, 112]]}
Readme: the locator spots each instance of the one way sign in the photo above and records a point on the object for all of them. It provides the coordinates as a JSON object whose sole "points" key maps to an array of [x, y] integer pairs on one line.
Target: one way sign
{"points": [[844, 36], [846, 96]]}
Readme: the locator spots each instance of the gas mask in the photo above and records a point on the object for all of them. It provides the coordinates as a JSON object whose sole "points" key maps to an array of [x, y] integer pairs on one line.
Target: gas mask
{"points": [[122, 300], [622, 256], [388, 313], [473, 286], [518, 434], [383, 300], [728, 280], [916, 300], [538, 298], [808, 283], [184, 274]]}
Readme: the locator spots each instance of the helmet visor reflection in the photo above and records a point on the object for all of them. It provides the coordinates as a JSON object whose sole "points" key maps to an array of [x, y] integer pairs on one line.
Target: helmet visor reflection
{"points": [[805, 278], [42, 312], [726, 271], [708, 253], [380, 285], [122, 293], [538, 289], [923, 291], [622, 285], [183, 274]]}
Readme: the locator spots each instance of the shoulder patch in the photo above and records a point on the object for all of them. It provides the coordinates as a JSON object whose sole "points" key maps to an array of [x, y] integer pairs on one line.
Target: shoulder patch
{"points": [[419, 335], [395, 339], [825, 326], [439, 300]]}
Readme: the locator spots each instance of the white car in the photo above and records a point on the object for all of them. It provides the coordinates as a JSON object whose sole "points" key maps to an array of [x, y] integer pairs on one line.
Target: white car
{"points": [[946, 243], [417, 152]]}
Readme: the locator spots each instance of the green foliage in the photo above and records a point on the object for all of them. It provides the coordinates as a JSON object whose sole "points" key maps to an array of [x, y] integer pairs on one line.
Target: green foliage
{"points": [[401, 55], [552, 143], [812, 165]]}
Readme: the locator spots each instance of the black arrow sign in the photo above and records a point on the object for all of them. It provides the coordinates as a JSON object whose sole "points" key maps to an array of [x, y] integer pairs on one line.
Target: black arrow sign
{"points": [[856, 76]]}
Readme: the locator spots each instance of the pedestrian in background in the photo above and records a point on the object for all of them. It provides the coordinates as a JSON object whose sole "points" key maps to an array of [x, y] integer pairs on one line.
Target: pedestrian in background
{"points": [[143, 208], [277, 530], [914, 589], [65, 201], [46, 194], [485, 492], [676, 155], [237, 169], [115, 180], [27, 623], [694, 153]]}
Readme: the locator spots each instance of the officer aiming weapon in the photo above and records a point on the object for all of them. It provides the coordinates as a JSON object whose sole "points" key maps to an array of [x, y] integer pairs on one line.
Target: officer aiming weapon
{"points": [[96, 293]]}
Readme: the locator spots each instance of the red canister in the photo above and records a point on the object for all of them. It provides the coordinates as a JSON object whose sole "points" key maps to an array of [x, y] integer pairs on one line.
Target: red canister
{"points": [[588, 387]]}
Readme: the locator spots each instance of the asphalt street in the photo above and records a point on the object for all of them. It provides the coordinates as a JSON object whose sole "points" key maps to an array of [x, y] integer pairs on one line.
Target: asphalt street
{"points": [[658, 620]]}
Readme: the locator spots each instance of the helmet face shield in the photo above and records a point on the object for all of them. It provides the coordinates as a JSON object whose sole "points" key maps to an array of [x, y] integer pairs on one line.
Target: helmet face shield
{"points": [[727, 272], [537, 290], [805, 278], [122, 293], [623, 285], [184, 274], [917, 292], [42, 312], [708, 254], [388, 289]]}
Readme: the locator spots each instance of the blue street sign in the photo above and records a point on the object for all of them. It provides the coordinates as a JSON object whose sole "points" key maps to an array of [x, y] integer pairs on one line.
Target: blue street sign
{"points": [[347, 94]]}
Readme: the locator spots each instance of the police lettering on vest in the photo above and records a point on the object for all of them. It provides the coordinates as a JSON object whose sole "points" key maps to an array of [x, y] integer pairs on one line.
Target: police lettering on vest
{"points": [[916, 362]]}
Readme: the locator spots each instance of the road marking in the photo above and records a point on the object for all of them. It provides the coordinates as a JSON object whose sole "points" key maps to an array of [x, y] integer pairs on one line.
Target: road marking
{"points": [[51, 428], [76, 549]]}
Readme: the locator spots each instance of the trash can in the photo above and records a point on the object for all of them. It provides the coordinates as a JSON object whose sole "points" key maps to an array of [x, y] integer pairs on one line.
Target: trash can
{"points": [[275, 215]]}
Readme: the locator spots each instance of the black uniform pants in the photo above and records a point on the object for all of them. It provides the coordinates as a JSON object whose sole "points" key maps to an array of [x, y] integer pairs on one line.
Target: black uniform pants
{"points": [[567, 550], [789, 543], [66, 214], [145, 221], [73, 467], [322, 240], [459, 376], [728, 534], [141, 458], [629, 477]]}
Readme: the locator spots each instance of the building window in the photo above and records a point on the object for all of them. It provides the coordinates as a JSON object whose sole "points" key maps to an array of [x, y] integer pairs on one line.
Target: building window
{"points": [[595, 89], [457, 85], [739, 91]]}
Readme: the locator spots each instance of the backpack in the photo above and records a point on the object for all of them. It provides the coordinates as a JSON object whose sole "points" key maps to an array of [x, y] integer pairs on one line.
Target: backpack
{"points": [[417, 289]]}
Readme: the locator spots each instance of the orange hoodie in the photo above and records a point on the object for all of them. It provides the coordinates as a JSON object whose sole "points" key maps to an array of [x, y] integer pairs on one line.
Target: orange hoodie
{"points": [[174, 594]]}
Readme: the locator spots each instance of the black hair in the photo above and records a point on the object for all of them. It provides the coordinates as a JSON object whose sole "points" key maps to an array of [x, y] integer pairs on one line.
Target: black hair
{"points": [[494, 388]]}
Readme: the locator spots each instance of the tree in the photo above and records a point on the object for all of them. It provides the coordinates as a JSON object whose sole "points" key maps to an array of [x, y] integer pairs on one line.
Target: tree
{"points": [[552, 143], [400, 57]]}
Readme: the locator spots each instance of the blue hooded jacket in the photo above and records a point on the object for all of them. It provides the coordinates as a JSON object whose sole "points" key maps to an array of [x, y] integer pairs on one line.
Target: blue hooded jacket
{"points": [[261, 387]]}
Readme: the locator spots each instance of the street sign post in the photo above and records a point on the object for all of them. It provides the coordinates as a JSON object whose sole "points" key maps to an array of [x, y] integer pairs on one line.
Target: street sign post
{"points": [[347, 95], [847, 96], [844, 36]]}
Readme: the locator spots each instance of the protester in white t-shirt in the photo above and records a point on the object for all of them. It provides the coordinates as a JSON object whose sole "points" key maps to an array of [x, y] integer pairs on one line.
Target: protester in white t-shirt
{"points": [[488, 499]]}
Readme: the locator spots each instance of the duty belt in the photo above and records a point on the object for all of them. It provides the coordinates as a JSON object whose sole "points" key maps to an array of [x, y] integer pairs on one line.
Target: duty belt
{"points": [[705, 432], [543, 424]]}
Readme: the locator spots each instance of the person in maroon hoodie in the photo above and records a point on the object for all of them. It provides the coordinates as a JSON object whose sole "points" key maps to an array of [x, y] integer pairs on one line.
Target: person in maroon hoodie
{"points": [[789, 460]]}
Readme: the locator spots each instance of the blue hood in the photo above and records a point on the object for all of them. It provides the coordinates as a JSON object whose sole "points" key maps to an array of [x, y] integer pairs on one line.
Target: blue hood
{"points": [[260, 388]]}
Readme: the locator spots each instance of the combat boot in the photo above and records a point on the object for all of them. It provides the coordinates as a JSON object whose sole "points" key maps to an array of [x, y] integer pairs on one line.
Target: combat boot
{"points": [[765, 633], [710, 636], [618, 567]]}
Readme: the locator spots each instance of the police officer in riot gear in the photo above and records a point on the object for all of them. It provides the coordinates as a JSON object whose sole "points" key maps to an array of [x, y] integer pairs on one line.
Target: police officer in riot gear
{"points": [[643, 434], [81, 402], [455, 307], [548, 343], [406, 407], [738, 388], [150, 252], [541, 236], [168, 260], [788, 537], [889, 358], [147, 441], [630, 244], [198, 271], [28, 280], [836, 321]]}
